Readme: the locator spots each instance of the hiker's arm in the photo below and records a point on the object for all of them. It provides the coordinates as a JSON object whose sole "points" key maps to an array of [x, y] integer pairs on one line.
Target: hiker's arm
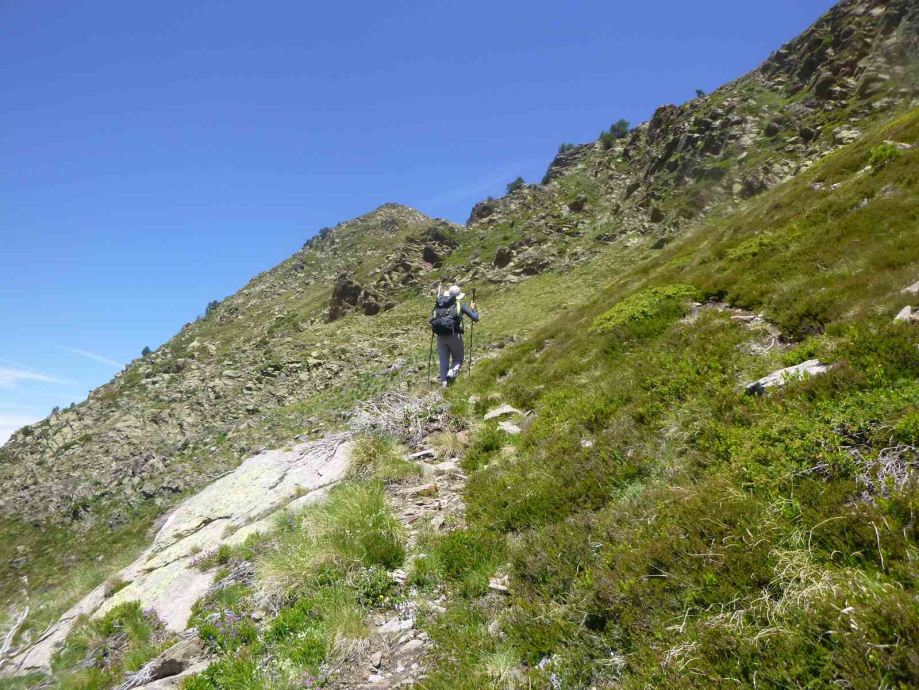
{"points": [[471, 313]]}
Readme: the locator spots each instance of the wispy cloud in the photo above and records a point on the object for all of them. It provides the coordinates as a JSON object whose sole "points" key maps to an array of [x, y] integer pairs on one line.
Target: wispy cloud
{"points": [[90, 355], [9, 377], [476, 189], [9, 423]]}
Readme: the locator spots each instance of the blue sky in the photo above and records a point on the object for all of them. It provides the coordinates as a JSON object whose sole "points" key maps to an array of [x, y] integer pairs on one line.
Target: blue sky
{"points": [[155, 156]]}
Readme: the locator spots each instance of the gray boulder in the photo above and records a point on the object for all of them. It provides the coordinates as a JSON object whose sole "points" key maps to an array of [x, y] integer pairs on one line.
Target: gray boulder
{"points": [[501, 411], [175, 660], [906, 315], [811, 367]]}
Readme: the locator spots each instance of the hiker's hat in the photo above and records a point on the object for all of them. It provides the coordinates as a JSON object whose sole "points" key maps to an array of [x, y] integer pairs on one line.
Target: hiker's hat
{"points": [[455, 291]]}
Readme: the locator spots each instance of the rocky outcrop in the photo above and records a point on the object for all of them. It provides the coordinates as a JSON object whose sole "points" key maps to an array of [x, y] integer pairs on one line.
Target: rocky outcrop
{"points": [[418, 256], [560, 165], [345, 297], [165, 577]]}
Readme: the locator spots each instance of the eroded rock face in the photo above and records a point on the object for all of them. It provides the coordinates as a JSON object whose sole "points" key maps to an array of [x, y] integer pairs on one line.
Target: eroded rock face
{"points": [[345, 297], [164, 577], [503, 257]]}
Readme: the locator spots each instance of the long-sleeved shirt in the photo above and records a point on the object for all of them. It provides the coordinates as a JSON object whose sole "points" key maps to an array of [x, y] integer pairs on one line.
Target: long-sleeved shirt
{"points": [[468, 311]]}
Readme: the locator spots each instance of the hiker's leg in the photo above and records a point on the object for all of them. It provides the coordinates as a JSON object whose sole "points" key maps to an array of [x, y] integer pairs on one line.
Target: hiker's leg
{"points": [[456, 349], [443, 354]]}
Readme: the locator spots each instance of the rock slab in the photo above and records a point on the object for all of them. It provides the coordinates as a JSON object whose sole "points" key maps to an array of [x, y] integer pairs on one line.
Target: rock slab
{"points": [[226, 512], [501, 411], [811, 367]]}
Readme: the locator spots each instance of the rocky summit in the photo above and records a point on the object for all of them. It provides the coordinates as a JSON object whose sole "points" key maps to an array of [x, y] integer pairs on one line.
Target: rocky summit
{"points": [[684, 456]]}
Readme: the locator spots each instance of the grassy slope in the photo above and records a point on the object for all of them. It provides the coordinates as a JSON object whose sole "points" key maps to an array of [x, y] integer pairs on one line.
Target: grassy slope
{"points": [[662, 529]]}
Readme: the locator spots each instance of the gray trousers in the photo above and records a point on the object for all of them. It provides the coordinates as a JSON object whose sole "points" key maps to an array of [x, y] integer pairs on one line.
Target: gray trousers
{"points": [[448, 345]]}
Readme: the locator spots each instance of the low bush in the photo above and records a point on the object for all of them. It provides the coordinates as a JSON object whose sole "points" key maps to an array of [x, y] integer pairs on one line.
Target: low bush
{"points": [[882, 154], [655, 303], [104, 649]]}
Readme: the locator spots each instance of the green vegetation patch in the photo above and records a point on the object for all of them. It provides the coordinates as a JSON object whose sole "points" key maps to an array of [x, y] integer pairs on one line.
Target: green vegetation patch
{"points": [[649, 304], [98, 653], [663, 529]]}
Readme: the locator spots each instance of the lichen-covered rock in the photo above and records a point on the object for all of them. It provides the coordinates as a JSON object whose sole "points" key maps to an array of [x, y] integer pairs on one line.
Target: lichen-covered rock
{"points": [[165, 578]]}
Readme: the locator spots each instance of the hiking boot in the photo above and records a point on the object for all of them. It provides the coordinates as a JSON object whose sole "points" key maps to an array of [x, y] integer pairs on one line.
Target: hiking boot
{"points": [[444, 384]]}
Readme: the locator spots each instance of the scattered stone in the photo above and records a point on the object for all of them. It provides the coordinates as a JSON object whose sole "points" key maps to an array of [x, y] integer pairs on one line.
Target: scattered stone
{"points": [[396, 625], [772, 128], [501, 411], [176, 659], [845, 135], [906, 315], [587, 444], [423, 454], [423, 490], [578, 204], [497, 586], [509, 428], [746, 318], [811, 367], [447, 467], [411, 646], [912, 289], [376, 659], [426, 468], [175, 681]]}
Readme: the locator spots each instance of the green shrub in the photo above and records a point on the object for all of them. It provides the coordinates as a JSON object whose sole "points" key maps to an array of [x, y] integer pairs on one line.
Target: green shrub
{"points": [[653, 303], [564, 148], [882, 155], [97, 652], [515, 185], [618, 130], [373, 587]]}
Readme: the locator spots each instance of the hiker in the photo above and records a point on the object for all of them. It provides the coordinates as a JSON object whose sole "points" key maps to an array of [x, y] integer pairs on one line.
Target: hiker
{"points": [[447, 324]]}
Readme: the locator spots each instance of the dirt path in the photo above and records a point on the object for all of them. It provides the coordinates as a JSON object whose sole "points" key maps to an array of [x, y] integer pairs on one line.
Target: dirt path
{"points": [[395, 655]]}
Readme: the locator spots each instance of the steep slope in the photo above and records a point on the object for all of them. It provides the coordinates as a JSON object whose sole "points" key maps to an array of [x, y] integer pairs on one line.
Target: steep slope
{"points": [[270, 344], [658, 524], [344, 318]]}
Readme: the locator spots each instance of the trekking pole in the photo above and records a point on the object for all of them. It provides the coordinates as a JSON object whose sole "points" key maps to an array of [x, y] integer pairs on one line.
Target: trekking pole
{"points": [[430, 357], [431, 352], [472, 338]]}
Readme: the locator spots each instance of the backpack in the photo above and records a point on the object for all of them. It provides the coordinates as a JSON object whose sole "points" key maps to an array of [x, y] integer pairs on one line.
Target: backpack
{"points": [[447, 315]]}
